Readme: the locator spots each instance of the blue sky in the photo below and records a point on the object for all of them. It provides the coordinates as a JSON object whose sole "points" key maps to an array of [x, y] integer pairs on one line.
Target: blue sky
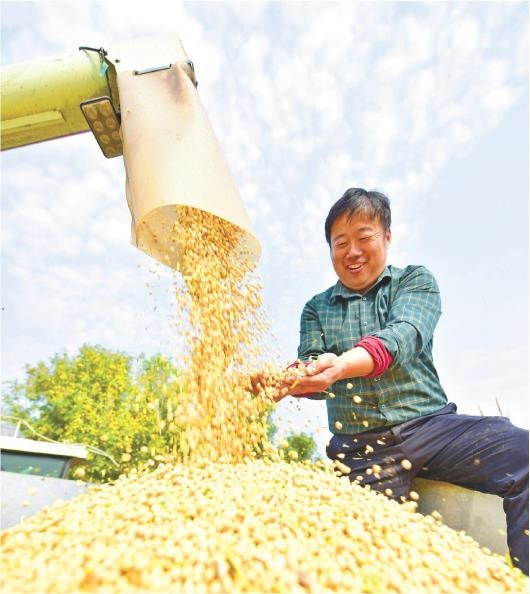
{"points": [[425, 101]]}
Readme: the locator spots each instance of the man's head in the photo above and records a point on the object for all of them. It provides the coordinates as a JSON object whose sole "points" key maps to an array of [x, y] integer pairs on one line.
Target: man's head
{"points": [[358, 233]]}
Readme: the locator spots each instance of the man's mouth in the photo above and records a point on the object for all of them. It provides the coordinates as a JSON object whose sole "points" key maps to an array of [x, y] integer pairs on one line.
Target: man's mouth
{"points": [[355, 267]]}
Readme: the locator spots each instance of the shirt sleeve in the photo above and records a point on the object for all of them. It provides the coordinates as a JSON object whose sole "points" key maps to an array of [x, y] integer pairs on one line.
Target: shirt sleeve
{"points": [[413, 315], [311, 343], [380, 356]]}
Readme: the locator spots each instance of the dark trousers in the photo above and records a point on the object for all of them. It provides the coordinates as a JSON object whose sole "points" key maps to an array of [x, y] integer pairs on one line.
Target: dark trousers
{"points": [[486, 454]]}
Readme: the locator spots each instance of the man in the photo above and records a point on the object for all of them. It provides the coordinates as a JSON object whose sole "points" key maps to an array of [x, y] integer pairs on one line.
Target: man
{"points": [[367, 343]]}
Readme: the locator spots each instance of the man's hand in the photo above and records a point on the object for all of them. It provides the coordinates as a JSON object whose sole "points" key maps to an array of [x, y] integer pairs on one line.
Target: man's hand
{"points": [[330, 368], [320, 374], [276, 384], [269, 384]]}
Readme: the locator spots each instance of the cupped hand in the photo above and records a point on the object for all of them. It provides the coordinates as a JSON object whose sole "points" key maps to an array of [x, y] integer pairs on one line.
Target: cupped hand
{"points": [[321, 373]]}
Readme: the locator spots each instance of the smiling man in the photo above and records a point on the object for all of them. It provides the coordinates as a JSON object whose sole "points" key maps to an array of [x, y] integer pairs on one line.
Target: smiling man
{"points": [[367, 343]]}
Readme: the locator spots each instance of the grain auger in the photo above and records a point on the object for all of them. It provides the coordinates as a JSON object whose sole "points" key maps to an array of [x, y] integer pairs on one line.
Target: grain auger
{"points": [[140, 101]]}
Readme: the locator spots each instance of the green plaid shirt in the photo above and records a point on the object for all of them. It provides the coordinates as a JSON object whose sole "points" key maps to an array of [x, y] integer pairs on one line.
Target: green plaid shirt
{"points": [[402, 310]]}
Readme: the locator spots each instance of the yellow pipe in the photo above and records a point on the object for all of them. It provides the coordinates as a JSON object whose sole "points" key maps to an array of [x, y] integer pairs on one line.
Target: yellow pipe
{"points": [[40, 99]]}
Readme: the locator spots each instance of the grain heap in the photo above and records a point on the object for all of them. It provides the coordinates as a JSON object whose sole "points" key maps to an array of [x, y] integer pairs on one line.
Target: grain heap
{"points": [[226, 514], [258, 526]]}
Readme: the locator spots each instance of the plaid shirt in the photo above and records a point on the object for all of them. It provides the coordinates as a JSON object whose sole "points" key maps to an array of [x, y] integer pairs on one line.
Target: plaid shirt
{"points": [[402, 310]]}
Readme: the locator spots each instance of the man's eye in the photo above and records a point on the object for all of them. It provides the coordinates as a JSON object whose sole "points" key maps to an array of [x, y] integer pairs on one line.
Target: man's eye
{"points": [[368, 237], [341, 245]]}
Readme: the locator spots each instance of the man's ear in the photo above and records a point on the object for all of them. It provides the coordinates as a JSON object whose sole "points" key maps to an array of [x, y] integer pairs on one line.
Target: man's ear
{"points": [[388, 237]]}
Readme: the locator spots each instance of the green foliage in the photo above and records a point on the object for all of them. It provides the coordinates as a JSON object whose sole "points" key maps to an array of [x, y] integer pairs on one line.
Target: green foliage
{"points": [[105, 400], [303, 444], [271, 427]]}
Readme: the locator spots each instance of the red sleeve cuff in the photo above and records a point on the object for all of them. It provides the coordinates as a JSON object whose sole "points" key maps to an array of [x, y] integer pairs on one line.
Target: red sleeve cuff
{"points": [[379, 353]]}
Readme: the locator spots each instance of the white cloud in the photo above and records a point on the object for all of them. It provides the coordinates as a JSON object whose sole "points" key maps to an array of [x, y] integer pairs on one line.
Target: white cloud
{"points": [[464, 37], [460, 134], [59, 207], [498, 100], [254, 51], [520, 57]]}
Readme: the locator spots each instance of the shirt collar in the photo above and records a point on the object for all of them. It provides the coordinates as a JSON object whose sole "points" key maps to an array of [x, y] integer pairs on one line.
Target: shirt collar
{"points": [[340, 290]]}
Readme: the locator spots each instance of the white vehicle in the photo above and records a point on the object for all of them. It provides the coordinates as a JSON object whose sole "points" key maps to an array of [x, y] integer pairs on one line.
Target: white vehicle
{"points": [[33, 475]]}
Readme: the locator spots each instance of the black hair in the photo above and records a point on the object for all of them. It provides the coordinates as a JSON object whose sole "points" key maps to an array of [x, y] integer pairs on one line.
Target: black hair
{"points": [[373, 204]]}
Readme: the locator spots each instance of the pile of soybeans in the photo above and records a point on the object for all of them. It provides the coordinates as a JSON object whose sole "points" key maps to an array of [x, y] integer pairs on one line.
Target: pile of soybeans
{"points": [[259, 526], [226, 513]]}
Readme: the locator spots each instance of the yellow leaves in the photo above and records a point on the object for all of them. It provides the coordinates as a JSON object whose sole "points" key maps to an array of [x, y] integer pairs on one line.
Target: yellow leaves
{"points": [[79, 473]]}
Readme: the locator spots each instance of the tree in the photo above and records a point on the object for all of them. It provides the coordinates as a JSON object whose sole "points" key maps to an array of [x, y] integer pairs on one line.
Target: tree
{"points": [[303, 444], [105, 400]]}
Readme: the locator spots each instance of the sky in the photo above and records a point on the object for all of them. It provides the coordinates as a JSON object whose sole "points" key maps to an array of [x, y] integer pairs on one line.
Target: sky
{"points": [[425, 101]]}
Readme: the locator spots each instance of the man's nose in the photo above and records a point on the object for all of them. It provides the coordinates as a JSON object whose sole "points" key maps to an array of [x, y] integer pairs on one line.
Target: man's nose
{"points": [[354, 249]]}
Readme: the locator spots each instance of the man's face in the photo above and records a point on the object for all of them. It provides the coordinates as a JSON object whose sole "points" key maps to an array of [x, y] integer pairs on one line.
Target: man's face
{"points": [[358, 250]]}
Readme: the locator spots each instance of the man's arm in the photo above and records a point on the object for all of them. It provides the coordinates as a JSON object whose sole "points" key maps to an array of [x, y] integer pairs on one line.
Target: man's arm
{"points": [[413, 315]]}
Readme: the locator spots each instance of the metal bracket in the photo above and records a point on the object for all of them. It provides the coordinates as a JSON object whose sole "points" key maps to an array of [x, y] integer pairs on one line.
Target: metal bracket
{"points": [[153, 69], [188, 67]]}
